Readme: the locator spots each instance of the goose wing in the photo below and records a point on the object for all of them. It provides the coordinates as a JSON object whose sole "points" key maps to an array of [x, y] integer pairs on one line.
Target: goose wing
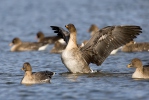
{"points": [[43, 75], [61, 32], [100, 45]]}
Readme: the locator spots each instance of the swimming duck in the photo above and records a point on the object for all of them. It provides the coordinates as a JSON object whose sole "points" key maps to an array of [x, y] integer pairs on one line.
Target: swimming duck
{"points": [[135, 47], [35, 77], [97, 49], [50, 39], [18, 45], [141, 71]]}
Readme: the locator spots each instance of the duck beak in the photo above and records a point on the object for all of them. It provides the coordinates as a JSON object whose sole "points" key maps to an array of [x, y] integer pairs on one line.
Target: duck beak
{"points": [[11, 44], [129, 65]]}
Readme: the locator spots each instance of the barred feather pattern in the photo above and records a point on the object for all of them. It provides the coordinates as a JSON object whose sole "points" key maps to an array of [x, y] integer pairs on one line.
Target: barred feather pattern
{"points": [[107, 39]]}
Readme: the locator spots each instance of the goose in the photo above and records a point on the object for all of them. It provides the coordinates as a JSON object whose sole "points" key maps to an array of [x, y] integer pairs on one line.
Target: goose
{"points": [[135, 47], [35, 77], [97, 49], [18, 45], [141, 71]]}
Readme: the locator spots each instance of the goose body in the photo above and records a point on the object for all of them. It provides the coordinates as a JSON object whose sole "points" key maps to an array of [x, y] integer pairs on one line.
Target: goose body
{"points": [[35, 77], [136, 47], [18, 45], [96, 50], [141, 71], [74, 62]]}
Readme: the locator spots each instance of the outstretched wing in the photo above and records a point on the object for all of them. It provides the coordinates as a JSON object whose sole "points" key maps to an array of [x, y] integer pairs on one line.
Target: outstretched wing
{"points": [[100, 45], [61, 32]]}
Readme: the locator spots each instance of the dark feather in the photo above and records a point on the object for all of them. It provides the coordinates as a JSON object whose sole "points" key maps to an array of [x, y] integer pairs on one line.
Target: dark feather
{"points": [[100, 45], [32, 45], [43, 75], [61, 32]]}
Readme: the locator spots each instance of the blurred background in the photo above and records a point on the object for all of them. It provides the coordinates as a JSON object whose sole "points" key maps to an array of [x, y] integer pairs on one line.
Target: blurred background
{"points": [[24, 18]]}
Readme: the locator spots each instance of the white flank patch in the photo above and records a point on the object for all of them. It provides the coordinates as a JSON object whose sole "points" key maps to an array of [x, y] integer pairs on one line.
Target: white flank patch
{"points": [[45, 47], [62, 41]]}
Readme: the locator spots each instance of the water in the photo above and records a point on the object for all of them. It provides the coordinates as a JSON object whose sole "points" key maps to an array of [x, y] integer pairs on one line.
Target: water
{"points": [[23, 18]]}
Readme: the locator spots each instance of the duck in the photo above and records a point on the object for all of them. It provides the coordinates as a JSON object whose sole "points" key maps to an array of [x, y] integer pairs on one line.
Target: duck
{"points": [[35, 77], [133, 46], [50, 40], [93, 29], [97, 49], [141, 71], [18, 45]]}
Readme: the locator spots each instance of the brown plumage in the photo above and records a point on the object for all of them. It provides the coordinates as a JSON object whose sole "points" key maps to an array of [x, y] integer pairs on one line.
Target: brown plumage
{"points": [[141, 71], [50, 39], [105, 40], [35, 77], [97, 49], [136, 47], [58, 47], [18, 45], [93, 29]]}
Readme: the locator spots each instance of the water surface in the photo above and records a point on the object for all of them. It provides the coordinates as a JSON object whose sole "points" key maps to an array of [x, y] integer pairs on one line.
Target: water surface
{"points": [[24, 18]]}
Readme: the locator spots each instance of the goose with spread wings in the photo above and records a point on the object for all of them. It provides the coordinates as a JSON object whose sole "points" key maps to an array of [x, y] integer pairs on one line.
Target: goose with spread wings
{"points": [[97, 49]]}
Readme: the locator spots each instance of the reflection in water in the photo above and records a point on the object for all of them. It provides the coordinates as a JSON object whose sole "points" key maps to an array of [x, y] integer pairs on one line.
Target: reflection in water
{"points": [[74, 77], [71, 77], [34, 84]]}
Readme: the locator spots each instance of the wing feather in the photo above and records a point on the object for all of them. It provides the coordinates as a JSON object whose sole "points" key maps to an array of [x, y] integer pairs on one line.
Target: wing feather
{"points": [[43, 75], [61, 32], [100, 45]]}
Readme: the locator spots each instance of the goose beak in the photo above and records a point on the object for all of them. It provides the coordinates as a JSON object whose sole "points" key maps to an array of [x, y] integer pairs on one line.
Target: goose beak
{"points": [[66, 26], [129, 65]]}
